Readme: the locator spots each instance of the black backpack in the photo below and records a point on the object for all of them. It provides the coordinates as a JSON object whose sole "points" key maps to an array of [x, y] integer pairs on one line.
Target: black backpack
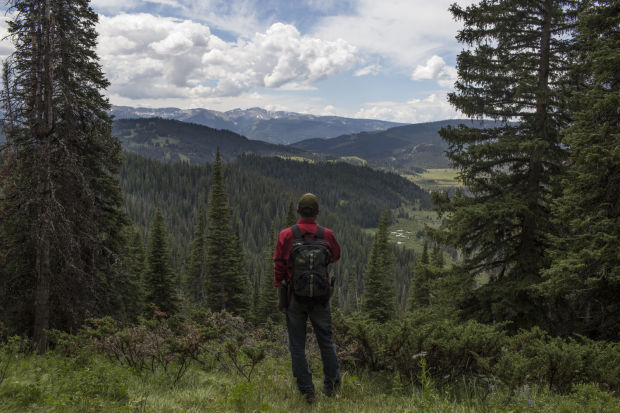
{"points": [[309, 257]]}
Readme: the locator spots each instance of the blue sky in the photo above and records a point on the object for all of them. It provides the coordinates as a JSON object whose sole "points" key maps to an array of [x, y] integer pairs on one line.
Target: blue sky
{"points": [[382, 59]]}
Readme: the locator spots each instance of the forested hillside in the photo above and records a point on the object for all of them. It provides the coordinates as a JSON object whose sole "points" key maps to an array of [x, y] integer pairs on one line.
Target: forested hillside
{"points": [[261, 192], [402, 147], [177, 141]]}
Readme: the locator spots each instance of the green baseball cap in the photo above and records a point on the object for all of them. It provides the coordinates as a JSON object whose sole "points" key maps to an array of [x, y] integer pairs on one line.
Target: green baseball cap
{"points": [[309, 201]]}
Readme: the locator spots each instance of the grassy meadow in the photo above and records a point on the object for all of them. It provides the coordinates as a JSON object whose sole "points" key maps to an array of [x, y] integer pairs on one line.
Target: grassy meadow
{"points": [[435, 179], [56, 383]]}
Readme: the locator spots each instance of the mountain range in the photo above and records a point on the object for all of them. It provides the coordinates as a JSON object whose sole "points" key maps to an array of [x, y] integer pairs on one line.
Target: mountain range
{"points": [[400, 148], [259, 124], [173, 140]]}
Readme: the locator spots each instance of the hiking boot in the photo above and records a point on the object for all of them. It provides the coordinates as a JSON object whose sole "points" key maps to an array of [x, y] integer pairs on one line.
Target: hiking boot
{"points": [[309, 397], [330, 389]]}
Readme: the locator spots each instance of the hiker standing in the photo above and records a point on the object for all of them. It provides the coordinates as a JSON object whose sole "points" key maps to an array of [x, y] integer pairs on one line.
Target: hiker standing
{"points": [[301, 257]]}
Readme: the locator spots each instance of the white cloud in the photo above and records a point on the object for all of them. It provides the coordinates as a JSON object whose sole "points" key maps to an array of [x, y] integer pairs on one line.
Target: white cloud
{"points": [[146, 55], [368, 70], [404, 31], [433, 107], [435, 69], [114, 6], [6, 47]]}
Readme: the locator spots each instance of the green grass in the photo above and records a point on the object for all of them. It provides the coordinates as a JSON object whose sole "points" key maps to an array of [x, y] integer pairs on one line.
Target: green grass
{"points": [[164, 141], [433, 179], [53, 383], [355, 160]]}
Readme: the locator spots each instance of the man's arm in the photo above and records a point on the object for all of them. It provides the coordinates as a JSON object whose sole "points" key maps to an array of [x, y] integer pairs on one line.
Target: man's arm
{"points": [[280, 259], [334, 247]]}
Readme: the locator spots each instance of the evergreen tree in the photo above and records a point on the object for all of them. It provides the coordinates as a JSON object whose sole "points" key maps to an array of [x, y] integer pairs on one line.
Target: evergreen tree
{"points": [[62, 201], [159, 280], [424, 258], [378, 300], [196, 270], [239, 284], [223, 286], [438, 259], [268, 298], [133, 294], [512, 71], [291, 216], [585, 271]]}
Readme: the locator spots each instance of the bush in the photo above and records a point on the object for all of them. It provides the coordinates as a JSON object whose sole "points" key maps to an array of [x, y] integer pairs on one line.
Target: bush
{"points": [[453, 350], [534, 356]]}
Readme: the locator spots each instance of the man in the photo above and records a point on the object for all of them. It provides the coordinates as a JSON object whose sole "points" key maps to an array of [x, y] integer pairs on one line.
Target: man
{"points": [[302, 307]]}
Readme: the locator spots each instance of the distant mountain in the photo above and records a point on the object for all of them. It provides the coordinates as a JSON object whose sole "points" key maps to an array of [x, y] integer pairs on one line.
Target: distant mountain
{"points": [[173, 140], [256, 123], [403, 147]]}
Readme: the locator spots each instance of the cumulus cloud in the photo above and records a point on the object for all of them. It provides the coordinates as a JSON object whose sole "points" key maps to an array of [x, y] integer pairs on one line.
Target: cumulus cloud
{"points": [[431, 108], [146, 55], [403, 31], [435, 69]]}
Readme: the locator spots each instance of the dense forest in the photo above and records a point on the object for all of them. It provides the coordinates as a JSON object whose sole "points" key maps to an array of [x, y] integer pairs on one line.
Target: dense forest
{"points": [[153, 272]]}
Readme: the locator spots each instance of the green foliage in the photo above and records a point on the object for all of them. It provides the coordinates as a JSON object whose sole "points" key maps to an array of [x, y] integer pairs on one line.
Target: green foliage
{"points": [[533, 356], [266, 310], [61, 201], [584, 277], [166, 139], [256, 201], [196, 271], [379, 300], [227, 285], [454, 350], [160, 285]]}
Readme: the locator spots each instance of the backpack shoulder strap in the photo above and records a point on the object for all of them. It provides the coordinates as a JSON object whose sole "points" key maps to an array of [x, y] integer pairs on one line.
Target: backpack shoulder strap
{"points": [[296, 232], [320, 232]]}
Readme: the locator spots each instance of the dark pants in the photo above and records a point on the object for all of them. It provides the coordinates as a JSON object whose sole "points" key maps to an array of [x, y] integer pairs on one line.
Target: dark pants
{"points": [[320, 316]]}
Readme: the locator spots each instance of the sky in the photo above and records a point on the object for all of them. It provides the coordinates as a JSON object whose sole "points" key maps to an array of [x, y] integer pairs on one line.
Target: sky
{"points": [[379, 59]]}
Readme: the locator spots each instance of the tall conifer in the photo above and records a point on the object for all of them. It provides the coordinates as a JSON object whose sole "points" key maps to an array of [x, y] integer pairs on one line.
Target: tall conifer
{"points": [[160, 280], [224, 286], [267, 298], [239, 284], [62, 201], [585, 272], [378, 300], [291, 216], [196, 270], [133, 293], [513, 70]]}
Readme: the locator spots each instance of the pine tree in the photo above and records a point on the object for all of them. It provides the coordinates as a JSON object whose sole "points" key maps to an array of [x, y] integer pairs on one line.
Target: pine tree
{"points": [[238, 284], [378, 300], [424, 258], [268, 298], [222, 287], [133, 293], [438, 259], [512, 71], [159, 280], [585, 272], [196, 270], [62, 200], [291, 216]]}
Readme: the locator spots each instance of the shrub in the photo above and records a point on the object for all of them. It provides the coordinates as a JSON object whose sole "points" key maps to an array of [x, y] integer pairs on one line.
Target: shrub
{"points": [[454, 350]]}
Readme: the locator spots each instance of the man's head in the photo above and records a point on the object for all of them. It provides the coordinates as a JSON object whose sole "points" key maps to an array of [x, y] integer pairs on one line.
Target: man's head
{"points": [[308, 206]]}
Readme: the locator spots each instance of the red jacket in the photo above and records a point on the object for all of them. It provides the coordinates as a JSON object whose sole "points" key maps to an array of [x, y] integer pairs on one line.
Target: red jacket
{"points": [[281, 267]]}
